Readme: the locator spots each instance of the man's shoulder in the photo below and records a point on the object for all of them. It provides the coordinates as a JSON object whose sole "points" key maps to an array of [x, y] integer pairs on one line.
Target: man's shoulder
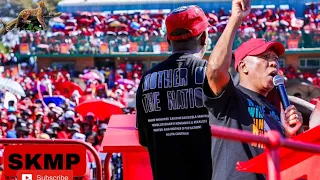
{"points": [[160, 66], [195, 60], [186, 58]]}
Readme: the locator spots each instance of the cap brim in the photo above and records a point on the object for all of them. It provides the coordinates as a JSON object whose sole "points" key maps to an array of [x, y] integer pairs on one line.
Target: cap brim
{"points": [[278, 47]]}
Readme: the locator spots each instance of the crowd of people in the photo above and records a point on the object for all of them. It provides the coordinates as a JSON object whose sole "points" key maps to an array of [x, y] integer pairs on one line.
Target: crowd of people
{"points": [[30, 116], [85, 32], [38, 115]]}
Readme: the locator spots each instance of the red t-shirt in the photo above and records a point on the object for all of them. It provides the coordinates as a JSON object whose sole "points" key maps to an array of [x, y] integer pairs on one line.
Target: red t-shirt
{"points": [[62, 135]]}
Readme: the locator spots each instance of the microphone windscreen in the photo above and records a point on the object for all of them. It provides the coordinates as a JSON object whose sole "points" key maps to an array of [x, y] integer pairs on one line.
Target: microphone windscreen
{"points": [[278, 80]]}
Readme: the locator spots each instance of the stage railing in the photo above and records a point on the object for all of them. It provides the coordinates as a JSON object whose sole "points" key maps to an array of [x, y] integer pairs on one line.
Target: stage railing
{"points": [[152, 44], [60, 141], [273, 141]]}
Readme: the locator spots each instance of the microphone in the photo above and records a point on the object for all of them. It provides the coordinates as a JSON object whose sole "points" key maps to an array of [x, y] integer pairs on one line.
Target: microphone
{"points": [[278, 81]]}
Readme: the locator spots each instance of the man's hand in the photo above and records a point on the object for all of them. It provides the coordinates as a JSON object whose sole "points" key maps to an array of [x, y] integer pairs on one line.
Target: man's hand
{"points": [[291, 120], [221, 56], [240, 9]]}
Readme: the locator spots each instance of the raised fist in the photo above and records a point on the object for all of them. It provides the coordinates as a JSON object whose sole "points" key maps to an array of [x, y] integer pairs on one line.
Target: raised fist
{"points": [[240, 9]]}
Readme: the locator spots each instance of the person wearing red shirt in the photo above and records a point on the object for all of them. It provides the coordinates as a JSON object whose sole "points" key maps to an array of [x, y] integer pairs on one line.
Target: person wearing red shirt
{"points": [[102, 129], [316, 80], [88, 123], [36, 130]]}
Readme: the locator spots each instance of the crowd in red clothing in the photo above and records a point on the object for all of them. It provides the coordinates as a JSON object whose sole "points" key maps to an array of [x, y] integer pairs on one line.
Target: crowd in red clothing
{"points": [[33, 117], [310, 81], [84, 32], [307, 76]]}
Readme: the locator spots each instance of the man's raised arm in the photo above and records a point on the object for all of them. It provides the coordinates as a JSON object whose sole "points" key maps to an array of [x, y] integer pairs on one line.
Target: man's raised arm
{"points": [[220, 58]]}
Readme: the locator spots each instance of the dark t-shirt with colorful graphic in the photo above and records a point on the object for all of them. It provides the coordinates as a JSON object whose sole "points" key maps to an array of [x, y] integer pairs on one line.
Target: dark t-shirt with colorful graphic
{"points": [[239, 108], [172, 120]]}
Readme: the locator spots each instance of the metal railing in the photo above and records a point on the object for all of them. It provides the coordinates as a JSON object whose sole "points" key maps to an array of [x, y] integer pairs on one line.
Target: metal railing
{"points": [[115, 44], [60, 141], [273, 141], [107, 174]]}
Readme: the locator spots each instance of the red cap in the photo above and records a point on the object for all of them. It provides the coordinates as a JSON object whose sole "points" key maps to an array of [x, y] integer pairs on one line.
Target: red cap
{"points": [[90, 114], [254, 47], [191, 18]]}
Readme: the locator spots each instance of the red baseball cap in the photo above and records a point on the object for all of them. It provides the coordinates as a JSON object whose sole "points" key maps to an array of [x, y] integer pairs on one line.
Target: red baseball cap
{"points": [[191, 18], [254, 47]]}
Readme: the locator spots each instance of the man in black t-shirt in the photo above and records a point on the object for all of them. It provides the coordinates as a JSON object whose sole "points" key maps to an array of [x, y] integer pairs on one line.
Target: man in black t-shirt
{"points": [[172, 120], [245, 106]]}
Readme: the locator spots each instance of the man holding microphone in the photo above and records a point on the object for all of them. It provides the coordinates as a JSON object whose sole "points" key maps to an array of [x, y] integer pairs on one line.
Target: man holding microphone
{"points": [[245, 106]]}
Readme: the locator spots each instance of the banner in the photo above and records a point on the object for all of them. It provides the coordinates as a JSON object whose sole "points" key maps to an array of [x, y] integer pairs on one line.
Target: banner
{"points": [[164, 47], [134, 47], [293, 44], [64, 48], [45, 157], [104, 49], [24, 48]]}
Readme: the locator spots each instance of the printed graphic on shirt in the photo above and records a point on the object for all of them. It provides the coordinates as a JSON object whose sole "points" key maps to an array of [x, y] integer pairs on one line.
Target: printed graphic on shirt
{"points": [[262, 120], [173, 84], [177, 99]]}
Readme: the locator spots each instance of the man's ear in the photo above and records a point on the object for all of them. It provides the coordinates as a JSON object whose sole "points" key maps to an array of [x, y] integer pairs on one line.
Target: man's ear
{"points": [[243, 67], [203, 38]]}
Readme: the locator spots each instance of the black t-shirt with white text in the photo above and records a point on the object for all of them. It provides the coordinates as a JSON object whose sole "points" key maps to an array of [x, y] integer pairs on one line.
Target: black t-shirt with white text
{"points": [[172, 120], [238, 108]]}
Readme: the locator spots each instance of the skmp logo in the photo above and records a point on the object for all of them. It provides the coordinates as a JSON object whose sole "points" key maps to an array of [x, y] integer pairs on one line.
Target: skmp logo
{"points": [[44, 157], [26, 177]]}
